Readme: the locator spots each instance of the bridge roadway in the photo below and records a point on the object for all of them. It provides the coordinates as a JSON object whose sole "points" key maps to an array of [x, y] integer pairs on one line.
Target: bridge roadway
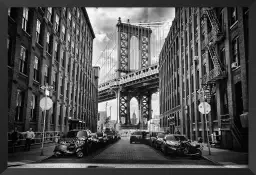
{"points": [[146, 79], [122, 154]]}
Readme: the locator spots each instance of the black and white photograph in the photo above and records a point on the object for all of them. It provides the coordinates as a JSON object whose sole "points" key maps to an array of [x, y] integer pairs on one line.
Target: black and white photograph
{"points": [[130, 87]]}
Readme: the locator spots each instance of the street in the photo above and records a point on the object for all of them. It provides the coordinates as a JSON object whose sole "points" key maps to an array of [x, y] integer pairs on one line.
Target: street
{"points": [[122, 152]]}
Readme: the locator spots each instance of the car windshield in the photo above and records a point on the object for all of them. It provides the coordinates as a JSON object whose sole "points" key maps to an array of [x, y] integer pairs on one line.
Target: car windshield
{"points": [[137, 133], [170, 138], [161, 135], [100, 134], [72, 134], [82, 134], [180, 138]]}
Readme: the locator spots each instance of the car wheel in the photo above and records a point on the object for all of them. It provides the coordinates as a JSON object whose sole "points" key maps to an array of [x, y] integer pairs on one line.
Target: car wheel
{"points": [[199, 152], [56, 154], [80, 154]]}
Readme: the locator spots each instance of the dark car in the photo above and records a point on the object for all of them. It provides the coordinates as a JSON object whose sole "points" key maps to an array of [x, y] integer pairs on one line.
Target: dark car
{"points": [[153, 137], [171, 142], [110, 135], [102, 138], [74, 139], [95, 141], [136, 137], [159, 140]]}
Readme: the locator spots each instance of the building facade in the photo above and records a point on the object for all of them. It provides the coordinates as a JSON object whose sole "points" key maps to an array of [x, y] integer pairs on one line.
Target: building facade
{"points": [[102, 116], [206, 48], [51, 46], [134, 119]]}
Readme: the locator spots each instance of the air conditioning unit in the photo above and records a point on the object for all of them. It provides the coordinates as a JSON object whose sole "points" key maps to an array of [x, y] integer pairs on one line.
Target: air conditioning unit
{"points": [[234, 65]]}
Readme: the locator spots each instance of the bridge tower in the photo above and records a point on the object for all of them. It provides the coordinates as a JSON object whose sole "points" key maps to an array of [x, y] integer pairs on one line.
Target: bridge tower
{"points": [[125, 32]]}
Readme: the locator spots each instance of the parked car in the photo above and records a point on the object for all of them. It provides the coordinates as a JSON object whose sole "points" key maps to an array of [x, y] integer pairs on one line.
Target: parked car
{"points": [[102, 138], [147, 139], [180, 145], [159, 140], [74, 142], [153, 137], [136, 137], [95, 141], [110, 136]]}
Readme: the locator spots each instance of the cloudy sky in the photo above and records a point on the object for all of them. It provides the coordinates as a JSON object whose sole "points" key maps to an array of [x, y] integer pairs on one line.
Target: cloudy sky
{"points": [[104, 22]]}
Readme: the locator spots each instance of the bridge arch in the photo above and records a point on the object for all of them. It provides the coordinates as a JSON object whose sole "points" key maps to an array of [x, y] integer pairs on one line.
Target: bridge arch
{"points": [[134, 53], [134, 111]]}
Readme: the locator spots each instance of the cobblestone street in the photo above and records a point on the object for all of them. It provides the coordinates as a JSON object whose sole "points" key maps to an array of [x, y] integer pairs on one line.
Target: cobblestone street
{"points": [[122, 152]]}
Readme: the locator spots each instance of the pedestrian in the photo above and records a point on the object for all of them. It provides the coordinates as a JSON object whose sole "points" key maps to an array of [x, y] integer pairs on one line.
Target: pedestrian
{"points": [[30, 135], [14, 137]]}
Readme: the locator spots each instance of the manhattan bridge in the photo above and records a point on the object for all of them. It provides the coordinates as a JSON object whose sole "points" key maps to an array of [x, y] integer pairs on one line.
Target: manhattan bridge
{"points": [[129, 68]]}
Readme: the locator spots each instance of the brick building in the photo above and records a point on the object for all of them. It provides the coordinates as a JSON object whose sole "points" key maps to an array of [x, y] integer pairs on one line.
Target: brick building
{"points": [[206, 48], [51, 46]]}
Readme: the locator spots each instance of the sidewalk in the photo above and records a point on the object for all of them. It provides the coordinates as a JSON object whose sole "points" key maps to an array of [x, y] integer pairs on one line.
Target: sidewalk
{"points": [[225, 157], [20, 158]]}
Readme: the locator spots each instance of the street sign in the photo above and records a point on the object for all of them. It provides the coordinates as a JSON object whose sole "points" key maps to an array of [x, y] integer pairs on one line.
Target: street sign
{"points": [[46, 103], [204, 108]]}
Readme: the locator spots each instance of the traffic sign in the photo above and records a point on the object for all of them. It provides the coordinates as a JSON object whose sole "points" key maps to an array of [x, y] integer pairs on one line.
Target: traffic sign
{"points": [[46, 103], [204, 108]]}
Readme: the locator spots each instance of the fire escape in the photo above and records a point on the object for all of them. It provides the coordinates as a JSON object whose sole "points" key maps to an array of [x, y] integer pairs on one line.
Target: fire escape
{"points": [[219, 70]]}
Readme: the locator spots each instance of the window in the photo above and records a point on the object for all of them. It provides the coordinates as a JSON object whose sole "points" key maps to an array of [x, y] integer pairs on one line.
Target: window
{"points": [[49, 41], [60, 116], [69, 18], [63, 29], [9, 48], [197, 79], [46, 75], [204, 69], [72, 47], [53, 113], [225, 101], [73, 25], [49, 14], [235, 51], [54, 82], [233, 15], [192, 83], [25, 19], [211, 66], [56, 50], [77, 34], [12, 13], [221, 19], [33, 108], [64, 11], [61, 92], [69, 40], [19, 105], [78, 14], [36, 67], [57, 22], [23, 60], [38, 29]]}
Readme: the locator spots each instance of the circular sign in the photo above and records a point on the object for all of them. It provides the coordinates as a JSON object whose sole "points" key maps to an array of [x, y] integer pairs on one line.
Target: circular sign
{"points": [[204, 108], [46, 103]]}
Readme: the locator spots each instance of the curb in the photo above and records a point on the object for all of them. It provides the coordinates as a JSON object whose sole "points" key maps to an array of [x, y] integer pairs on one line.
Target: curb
{"points": [[217, 163], [30, 162]]}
